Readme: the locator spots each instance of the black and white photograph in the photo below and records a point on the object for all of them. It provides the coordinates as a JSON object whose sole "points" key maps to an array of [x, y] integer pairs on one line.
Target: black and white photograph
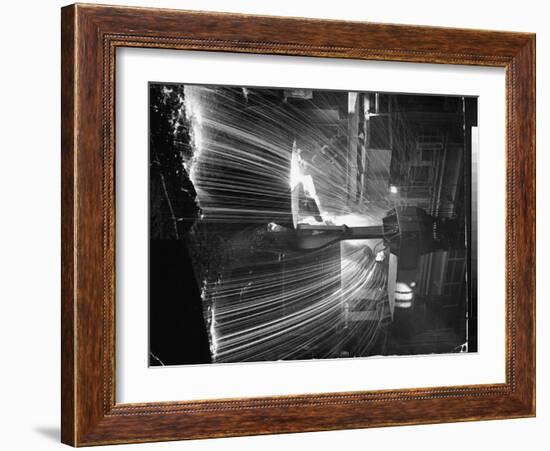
{"points": [[297, 224], [238, 225]]}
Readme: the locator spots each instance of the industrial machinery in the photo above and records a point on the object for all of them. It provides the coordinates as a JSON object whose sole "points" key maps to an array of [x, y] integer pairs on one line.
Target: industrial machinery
{"points": [[408, 231]]}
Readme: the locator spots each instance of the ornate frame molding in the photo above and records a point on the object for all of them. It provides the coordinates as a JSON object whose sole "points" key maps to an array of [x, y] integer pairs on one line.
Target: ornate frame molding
{"points": [[90, 36]]}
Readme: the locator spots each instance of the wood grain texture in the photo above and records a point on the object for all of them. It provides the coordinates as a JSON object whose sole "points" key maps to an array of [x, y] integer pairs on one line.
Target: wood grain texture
{"points": [[68, 313], [90, 36]]}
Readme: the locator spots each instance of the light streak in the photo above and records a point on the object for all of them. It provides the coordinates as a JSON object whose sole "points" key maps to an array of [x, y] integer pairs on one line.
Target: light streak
{"points": [[263, 301]]}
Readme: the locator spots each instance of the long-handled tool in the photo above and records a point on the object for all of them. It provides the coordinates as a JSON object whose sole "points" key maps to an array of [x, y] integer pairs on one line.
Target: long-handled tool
{"points": [[408, 231]]}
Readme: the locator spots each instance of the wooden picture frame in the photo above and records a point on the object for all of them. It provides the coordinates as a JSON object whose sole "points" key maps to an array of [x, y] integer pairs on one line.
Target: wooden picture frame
{"points": [[90, 36]]}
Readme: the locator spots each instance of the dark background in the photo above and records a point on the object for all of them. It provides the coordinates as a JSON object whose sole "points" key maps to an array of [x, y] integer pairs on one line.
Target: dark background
{"points": [[177, 329]]}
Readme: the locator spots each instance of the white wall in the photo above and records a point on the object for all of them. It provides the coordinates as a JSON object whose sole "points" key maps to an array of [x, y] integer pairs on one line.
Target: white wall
{"points": [[29, 225]]}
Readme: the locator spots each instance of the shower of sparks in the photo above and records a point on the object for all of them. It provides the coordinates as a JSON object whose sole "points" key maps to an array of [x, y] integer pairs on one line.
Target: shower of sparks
{"points": [[262, 300]]}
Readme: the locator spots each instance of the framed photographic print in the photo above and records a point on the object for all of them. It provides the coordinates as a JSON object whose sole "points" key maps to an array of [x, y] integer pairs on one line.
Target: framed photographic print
{"points": [[279, 224]]}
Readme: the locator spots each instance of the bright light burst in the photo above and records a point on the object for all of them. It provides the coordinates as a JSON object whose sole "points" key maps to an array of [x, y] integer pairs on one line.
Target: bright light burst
{"points": [[262, 300]]}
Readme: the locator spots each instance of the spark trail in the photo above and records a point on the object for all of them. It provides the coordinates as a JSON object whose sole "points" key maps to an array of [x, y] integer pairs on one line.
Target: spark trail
{"points": [[262, 299]]}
